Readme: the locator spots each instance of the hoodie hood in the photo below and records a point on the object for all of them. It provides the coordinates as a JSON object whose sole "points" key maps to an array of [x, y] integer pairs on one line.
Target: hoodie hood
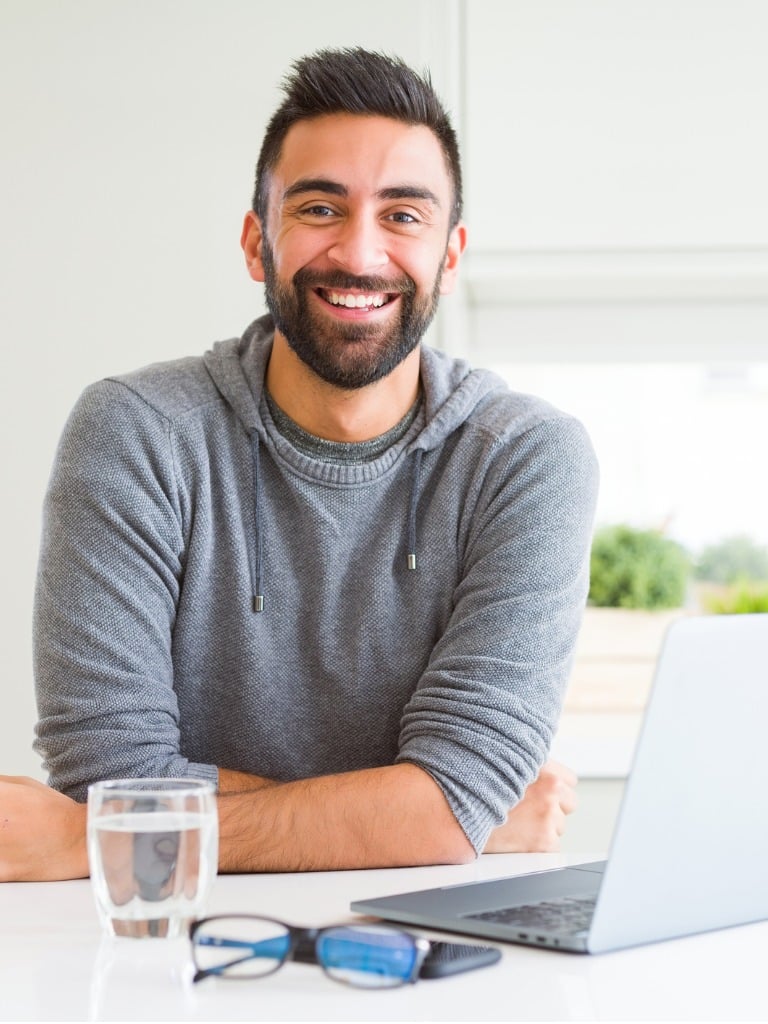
{"points": [[452, 389]]}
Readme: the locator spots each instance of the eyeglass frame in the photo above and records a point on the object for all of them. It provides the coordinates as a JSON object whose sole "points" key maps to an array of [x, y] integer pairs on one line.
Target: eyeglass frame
{"points": [[303, 946]]}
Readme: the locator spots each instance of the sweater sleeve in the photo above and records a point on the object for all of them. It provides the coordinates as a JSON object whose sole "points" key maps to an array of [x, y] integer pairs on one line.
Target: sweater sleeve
{"points": [[107, 589], [484, 712]]}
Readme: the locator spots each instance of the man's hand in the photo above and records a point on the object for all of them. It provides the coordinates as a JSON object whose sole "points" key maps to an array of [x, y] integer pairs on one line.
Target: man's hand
{"points": [[42, 833], [536, 824]]}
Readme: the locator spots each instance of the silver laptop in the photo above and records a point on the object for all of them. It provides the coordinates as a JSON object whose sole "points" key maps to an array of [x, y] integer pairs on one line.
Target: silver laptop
{"points": [[690, 847]]}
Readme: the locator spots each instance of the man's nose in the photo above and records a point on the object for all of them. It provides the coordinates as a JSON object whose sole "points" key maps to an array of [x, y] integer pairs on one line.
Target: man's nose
{"points": [[359, 246]]}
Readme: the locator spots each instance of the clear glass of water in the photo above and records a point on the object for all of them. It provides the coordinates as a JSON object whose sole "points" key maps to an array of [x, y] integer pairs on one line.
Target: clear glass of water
{"points": [[153, 853]]}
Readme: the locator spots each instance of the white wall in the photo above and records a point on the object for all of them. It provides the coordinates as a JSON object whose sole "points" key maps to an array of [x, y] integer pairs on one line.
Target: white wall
{"points": [[130, 129], [617, 124]]}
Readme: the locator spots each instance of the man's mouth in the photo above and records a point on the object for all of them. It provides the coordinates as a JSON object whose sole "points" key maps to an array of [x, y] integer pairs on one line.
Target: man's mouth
{"points": [[356, 300]]}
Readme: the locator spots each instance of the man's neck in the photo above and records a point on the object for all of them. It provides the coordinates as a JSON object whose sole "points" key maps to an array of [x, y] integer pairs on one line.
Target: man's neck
{"points": [[334, 413]]}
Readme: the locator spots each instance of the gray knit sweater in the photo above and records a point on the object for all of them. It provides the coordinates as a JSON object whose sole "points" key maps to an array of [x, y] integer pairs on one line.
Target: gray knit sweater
{"points": [[175, 508]]}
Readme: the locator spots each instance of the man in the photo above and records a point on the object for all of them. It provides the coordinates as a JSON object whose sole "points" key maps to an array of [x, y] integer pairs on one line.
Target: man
{"points": [[325, 566]]}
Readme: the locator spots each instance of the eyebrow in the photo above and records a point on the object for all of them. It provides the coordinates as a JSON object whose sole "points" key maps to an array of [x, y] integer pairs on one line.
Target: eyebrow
{"points": [[335, 188]]}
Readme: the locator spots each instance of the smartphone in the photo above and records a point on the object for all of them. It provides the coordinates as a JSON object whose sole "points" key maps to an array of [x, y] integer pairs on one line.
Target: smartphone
{"points": [[453, 957]]}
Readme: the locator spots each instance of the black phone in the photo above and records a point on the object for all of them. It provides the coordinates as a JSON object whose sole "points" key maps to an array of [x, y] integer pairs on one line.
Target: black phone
{"points": [[454, 957]]}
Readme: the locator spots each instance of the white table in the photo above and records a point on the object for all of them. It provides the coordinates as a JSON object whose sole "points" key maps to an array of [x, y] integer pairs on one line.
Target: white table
{"points": [[55, 965]]}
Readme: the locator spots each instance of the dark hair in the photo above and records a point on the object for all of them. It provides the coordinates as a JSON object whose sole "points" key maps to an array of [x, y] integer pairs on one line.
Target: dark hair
{"points": [[356, 81]]}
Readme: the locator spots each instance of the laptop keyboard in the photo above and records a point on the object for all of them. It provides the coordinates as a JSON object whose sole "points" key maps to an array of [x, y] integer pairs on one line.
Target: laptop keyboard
{"points": [[569, 915]]}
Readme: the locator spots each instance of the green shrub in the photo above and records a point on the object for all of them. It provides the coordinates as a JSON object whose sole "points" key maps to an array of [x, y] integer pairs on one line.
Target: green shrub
{"points": [[633, 568], [742, 599], [733, 560]]}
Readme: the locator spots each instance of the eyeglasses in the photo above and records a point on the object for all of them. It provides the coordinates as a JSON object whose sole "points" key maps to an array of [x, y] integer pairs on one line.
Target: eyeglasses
{"points": [[242, 946]]}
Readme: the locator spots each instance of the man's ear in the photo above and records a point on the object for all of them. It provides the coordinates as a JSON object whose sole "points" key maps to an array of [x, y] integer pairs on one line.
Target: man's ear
{"points": [[457, 243], [251, 241]]}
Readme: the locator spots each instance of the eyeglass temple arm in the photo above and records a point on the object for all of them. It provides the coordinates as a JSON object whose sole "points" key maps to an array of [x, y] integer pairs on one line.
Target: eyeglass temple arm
{"points": [[275, 949]]}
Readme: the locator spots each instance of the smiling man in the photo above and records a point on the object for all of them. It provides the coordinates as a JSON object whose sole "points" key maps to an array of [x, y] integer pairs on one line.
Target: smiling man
{"points": [[325, 565], [365, 247]]}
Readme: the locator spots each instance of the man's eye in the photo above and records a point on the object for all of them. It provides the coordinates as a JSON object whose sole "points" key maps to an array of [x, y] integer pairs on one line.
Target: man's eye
{"points": [[318, 211], [401, 217]]}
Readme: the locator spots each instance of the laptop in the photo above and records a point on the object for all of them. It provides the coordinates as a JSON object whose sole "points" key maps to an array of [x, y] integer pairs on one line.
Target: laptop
{"points": [[690, 847]]}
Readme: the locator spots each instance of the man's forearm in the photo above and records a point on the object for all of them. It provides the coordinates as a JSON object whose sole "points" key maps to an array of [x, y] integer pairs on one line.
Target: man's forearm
{"points": [[233, 781], [380, 817]]}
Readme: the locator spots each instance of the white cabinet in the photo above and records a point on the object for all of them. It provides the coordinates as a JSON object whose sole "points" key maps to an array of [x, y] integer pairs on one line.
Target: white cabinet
{"points": [[616, 159]]}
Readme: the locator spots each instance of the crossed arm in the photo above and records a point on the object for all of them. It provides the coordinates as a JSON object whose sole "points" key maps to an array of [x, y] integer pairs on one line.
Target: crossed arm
{"points": [[380, 817]]}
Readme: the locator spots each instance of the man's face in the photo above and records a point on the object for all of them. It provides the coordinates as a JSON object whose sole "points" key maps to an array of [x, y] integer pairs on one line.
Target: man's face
{"points": [[357, 246]]}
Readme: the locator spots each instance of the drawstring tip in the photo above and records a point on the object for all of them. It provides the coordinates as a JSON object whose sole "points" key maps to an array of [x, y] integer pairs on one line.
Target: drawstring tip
{"points": [[411, 561], [258, 602]]}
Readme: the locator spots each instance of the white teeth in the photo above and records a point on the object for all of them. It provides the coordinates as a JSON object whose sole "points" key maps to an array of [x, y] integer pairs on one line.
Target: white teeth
{"points": [[356, 301]]}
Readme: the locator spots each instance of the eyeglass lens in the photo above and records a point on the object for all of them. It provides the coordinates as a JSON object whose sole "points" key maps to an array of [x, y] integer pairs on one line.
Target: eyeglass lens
{"points": [[367, 956]]}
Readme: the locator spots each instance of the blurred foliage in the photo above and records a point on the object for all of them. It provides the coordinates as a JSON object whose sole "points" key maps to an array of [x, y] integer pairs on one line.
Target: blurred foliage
{"points": [[735, 559], [743, 598], [633, 568]]}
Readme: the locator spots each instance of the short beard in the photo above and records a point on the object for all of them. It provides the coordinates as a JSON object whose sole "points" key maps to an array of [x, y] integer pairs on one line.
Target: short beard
{"points": [[349, 355]]}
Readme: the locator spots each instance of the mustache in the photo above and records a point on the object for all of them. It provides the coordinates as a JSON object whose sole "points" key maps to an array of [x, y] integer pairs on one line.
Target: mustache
{"points": [[305, 278]]}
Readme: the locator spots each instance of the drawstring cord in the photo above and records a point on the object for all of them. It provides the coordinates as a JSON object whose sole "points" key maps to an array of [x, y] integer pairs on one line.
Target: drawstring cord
{"points": [[258, 596], [412, 508]]}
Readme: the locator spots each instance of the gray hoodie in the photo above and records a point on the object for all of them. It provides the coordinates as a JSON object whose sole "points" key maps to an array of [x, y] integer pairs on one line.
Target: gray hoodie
{"points": [[176, 508]]}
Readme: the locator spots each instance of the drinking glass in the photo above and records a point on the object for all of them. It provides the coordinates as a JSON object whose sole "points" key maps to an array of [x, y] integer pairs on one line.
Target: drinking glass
{"points": [[153, 853]]}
